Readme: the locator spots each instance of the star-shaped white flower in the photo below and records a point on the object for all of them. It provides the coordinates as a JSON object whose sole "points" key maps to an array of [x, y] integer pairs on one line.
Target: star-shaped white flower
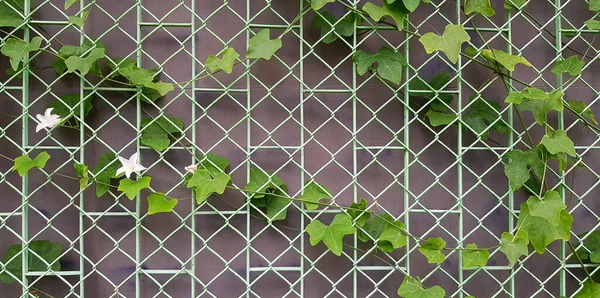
{"points": [[48, 120], [130, 165], [191, 169]]}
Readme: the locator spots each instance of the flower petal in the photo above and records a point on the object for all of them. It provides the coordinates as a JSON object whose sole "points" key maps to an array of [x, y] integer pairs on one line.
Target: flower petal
{"points": [[133, 159], [39, 127], [124, 162], [120, 171]]}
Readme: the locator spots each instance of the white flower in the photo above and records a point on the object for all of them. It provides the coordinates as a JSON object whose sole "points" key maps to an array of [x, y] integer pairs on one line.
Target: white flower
{"points": [[191, 169], [48, 120], [130, 165]]}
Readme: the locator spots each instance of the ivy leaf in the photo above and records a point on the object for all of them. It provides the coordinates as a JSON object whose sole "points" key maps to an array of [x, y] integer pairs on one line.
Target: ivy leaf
{"points": [[330, 33], [432, 250], [571, 65], [69, 105], [42, 256], [157, 133], [392, 237], [318, 4], [482, 113], [479, 6], [206, 184], [161, 87], [517, 4], [396, 10], [450, 42], [79, 21], [517, 169], [331, 235], [261, 182], [144, 79], [214, 163], [439, 82], [508, 61], [313, 194], [136, 75], [542, 232], [158, 202], [514, 247], [389, 64], [69, 51], [225, 64], [549, 207], [411, 5], [69, 3], [594, 5], [11, 13], [374, 227], [537, 101], [358, 212], [592, 24], [24, 163], [412, 288], [105, 170], [473, 256], [277, 203], [83, 65], [261, 46], [591, 248], [581, 108], [590, 289], [438, 119], [558, 142], [132, 188], [82, 174], [18, 50]]}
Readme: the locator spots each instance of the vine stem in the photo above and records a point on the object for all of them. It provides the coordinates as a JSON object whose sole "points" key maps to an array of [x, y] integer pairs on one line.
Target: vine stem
{"points": [[587, 273]]}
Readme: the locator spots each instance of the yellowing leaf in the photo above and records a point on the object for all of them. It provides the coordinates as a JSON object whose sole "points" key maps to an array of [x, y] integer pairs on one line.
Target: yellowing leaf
{"points": [[450, 42], [24, 163], [132, 188], [331, 235]]}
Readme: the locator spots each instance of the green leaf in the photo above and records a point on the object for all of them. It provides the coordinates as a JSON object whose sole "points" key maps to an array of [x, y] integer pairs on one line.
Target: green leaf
{"points": [[537, 101], [313, 194], [70, 105], [358, 213], [479, 6], [161, 87], [438, 119], [343, 27], [450, 42], [69, 51], [592, 24], [517, 169], [157, 133], [105, 170], [389, 64], [261, 182], [132, 188], [542, 232], [504, 59], [261, 46], [24, 163], [514, 247], [42, 255], [473, 256], [225, 64], [591, 248], [412, 288], [581, 108], [571, 65], [79, 21], [392, 237], [18, 50], [558, 142], [69, 3], [439, 82], [374, 227], [590, 289], [318, 4], [214, 163], [516, 4], [432, 250], [145, 79], [411, 5], [136, 75], [594, 5], [277, 203], [11, 13], [206, 184], [82, 174], [549, 207], [158, 202], [84, 64], [396, 10], [482, 114], [331, 235]]}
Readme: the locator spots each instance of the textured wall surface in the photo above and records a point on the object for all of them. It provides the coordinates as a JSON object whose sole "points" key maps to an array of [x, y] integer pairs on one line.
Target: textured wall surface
{"points": [[303, 114]]}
